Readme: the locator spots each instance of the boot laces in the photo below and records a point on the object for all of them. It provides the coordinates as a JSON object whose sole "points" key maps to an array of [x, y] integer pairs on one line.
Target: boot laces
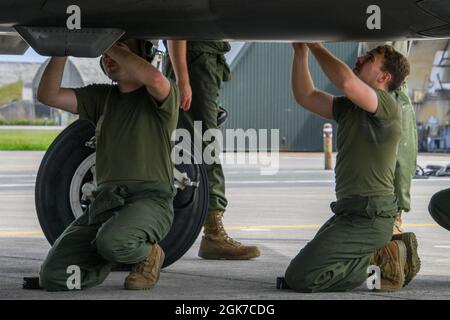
{"points": [[141, 266], [226, 236], [231, 240]]}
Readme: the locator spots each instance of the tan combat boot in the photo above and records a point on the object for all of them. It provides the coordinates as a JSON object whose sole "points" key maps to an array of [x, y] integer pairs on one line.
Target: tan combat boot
{"points": [[217, 245], [391, 259], [412, 256], [144, 275]]}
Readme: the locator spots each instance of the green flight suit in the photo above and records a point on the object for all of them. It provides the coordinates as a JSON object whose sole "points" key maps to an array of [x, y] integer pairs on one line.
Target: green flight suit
{"points": [[407, 150], [207, 69], [439, 208], [337, 258], [133, 203]]}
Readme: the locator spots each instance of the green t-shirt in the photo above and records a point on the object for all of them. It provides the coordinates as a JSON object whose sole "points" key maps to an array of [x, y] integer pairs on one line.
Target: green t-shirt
{"points": [[135, 139], [367, 146]]}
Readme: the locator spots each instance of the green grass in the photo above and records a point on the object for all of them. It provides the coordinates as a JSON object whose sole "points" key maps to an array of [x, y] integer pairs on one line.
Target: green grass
{"points": [[26, 139], [27, 122], [11, 92]]}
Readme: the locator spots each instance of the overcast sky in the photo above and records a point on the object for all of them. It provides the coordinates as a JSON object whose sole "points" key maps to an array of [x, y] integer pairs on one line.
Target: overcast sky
{"points": [[32, 56], [29, 56]]}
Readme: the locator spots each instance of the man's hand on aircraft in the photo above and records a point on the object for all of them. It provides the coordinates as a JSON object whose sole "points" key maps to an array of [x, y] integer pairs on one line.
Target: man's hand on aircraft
{"points": [[300, 47], [313, 45]]}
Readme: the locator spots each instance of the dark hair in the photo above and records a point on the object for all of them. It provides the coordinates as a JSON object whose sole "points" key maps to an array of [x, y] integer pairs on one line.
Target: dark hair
{"points": [[395, 63], [134, 45]]}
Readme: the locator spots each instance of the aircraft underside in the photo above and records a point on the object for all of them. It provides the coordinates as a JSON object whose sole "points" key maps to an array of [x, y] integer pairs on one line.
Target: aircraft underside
{"points": [[43, 23]]}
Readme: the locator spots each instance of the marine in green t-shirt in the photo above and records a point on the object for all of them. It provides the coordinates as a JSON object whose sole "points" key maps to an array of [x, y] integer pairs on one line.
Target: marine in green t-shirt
{"points": [[134, 143], [367, 146], [132, 210], [369, 128], [407, 150]]}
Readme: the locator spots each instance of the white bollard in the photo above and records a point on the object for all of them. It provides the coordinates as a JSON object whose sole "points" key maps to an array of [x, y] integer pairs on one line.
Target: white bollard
{"points": [[328, 145]]}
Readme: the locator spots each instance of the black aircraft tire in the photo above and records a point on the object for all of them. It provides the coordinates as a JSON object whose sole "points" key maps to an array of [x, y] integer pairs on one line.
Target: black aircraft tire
{"points": [[58, 167]]}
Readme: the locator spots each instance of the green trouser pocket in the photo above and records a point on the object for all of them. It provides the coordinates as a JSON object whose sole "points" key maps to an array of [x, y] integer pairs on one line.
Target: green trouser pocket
{"points": [[382, 206], [103, 205]]}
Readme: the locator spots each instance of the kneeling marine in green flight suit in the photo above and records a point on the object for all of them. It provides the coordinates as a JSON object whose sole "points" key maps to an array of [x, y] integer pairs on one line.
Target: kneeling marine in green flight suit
{"points": [[359, 234], [132, 209]]}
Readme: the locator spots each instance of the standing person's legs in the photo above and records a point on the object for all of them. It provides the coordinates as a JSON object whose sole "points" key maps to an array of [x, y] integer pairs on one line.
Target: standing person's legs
{"points": [[338, 256], [404, 172], [406, 157], [205, 72], [205, 82]]}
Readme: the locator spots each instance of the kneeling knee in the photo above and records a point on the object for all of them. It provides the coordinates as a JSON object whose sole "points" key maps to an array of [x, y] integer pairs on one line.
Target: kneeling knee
{"points": [[49, 280], [297, 280], [116, 250]]}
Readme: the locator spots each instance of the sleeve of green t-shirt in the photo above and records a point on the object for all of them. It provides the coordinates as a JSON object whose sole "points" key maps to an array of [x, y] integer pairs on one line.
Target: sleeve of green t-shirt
{"points": [[387, 106], [91, 101], [340, 106], [171, 104]]}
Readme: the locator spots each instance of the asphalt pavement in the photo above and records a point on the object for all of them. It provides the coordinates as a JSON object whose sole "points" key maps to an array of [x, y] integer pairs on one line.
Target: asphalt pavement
{"points": [[280, 213]]}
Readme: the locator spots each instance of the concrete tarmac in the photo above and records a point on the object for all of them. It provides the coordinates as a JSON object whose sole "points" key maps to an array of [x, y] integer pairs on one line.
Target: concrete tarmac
{"points": [[279, 213]]}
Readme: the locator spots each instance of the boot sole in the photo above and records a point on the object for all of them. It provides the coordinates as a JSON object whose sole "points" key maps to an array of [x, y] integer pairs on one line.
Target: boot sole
{"points": [[214, 252], [131, 286], [217, 257], [412, 256]]}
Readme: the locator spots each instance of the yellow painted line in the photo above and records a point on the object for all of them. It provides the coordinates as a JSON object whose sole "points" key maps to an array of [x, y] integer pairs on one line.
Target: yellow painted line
{"points": [[307, 226], [312, 226], [15, 196], [21, 156], [278, 196], [316, 226], [431, 225], [21, 233], [20, 167]]}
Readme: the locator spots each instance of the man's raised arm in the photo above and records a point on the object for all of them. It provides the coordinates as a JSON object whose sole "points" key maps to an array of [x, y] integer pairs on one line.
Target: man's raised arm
{"points": [[142, 70], [344, 79], [50, 91], [305, 93]]}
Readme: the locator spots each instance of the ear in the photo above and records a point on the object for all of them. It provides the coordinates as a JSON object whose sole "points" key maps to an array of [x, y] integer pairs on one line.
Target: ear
{"points": [[385, 77], [103, 67], [101, 64]]}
